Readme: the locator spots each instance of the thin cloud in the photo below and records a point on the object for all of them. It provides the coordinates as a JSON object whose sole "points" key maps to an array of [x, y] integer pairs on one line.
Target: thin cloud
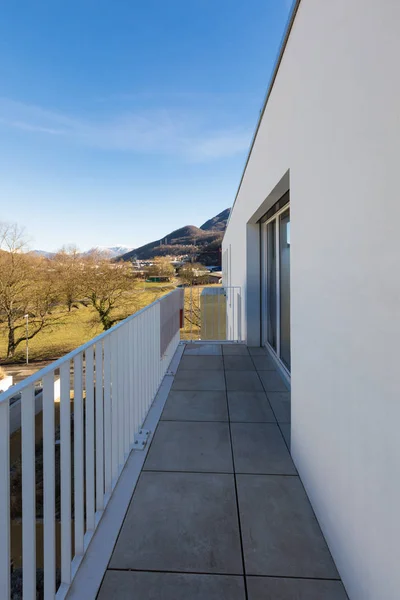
{"points": [[34, 128], [190, 97], [222, 145], [188, 134]]}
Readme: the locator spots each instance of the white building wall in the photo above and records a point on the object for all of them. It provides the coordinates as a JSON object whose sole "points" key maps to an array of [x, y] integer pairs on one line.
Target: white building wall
{"points": [[333, 120]]}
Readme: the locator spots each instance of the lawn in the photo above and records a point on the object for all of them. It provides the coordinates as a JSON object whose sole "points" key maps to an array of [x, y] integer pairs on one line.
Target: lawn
{"points": [[80, 325]]}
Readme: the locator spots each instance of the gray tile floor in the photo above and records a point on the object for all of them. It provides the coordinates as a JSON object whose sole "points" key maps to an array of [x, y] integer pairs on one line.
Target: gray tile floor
{"points": [[219, 512]]}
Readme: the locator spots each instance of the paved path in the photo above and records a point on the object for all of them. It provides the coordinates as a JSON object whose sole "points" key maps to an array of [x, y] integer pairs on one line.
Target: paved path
{"points": [[21, 371], [219, 511]]}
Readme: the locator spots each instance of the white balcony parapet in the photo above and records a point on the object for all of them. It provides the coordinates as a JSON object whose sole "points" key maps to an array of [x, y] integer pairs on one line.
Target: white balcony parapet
{"points": [[214, 313], [111, 382]]}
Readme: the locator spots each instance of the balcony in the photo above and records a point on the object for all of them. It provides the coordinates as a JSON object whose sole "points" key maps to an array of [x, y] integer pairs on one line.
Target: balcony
{"points": [[172, 474]]}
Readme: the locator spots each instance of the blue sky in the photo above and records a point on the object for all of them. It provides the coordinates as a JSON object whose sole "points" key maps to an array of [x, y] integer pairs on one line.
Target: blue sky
{"points": [[123, 120]]}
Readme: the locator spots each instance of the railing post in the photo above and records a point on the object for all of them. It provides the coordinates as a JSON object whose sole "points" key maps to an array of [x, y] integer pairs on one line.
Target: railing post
{"points": [[89, 437], [49, 534], [120, 397], [100, 433], [135, 366], [158, 335], [78, 456], [5, 583], [28, 493], [155, 358], [131, 379], [65, 471], [107, 416], [140, 369], [147, 340], [114, 408], [125, 366]]}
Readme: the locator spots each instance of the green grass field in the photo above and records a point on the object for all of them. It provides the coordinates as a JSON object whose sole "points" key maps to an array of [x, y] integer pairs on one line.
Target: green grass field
{"points": [[79, 326]]}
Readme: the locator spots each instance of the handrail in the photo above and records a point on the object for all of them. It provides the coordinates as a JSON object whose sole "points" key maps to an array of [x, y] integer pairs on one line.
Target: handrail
{"points": [[17, 389], [107, 387]]}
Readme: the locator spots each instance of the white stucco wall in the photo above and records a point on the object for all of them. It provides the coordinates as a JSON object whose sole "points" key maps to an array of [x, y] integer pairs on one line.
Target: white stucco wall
{"points": [[333, 120]]}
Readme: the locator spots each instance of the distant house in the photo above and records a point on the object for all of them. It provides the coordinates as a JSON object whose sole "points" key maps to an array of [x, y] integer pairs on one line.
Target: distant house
{"points": [[213, 278]]}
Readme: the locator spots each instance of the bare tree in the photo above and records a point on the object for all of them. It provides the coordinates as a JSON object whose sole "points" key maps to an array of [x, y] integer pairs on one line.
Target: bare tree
{"points": [[27, 287], [68, 266], [192, 312], [161, 267], [13, 238], [104, 285], [192, 273]]}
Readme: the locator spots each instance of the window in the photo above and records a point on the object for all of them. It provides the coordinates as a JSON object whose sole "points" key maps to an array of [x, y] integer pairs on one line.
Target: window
{"points": [[284, 285], [271, 284], [276, 279]]}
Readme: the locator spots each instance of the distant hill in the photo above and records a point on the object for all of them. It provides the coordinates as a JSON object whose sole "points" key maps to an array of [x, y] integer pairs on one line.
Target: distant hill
{"points": [[217, 223], [107, 251], [43, 253], [203, 242]]}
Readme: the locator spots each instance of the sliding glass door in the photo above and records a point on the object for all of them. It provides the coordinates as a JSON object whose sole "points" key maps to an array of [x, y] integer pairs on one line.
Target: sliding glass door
{"points": [[284, 287], [276, 283], [271, 291]]}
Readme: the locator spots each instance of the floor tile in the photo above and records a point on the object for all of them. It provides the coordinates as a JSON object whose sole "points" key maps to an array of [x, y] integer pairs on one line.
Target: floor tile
{"points": [[281, 536], [238, 363], [272, 381], [234, 350], [280, 403], [257, 350], [182, 522], [285, 429], [189, 446], [272, 588], [199, 380], [195, 363], [250, 407], [203, 349], [196, 406], [260, 448], [264, 363], [119, 585], [246, 381]]}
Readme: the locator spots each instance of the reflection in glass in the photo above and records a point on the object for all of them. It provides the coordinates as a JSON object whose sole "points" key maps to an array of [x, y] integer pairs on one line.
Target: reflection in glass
{"points": [[284, 279], [271, 284]]}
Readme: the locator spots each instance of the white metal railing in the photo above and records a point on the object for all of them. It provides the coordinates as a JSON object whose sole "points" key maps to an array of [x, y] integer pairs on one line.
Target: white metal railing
{"points": [[106, 389], [213, 313]]}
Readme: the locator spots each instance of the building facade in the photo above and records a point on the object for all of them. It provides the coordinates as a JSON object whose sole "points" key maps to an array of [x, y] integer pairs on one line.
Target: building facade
{"points": [[312, 241]]}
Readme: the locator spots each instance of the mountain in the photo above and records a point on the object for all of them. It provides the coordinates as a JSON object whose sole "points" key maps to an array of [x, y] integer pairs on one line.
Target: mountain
{"points": [[204, 242], [217, 223], [42, 253], [109, 251]]}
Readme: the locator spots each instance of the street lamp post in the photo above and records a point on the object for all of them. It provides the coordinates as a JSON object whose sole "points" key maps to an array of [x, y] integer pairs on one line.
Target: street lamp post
{"points": [[27, 338]]}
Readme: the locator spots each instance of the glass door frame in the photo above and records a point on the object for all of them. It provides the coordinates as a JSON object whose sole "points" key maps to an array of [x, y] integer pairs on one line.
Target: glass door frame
{"points": [[264, 275]]}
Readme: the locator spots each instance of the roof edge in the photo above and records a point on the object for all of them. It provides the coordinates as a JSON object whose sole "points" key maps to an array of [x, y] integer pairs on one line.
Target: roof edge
{"points": [[278, 60]]}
